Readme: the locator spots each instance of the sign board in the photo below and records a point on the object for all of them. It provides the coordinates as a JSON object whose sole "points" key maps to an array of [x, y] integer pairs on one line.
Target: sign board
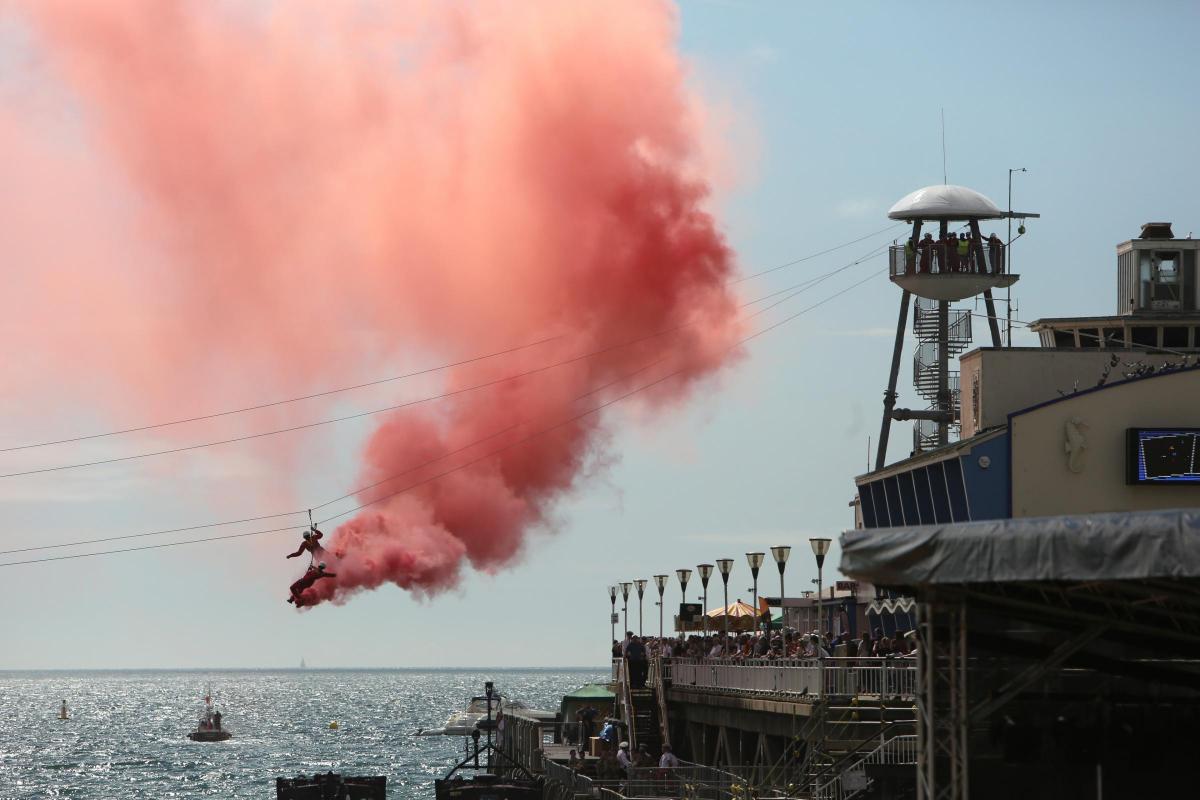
{"points": [[615, 618], [1162, 456], [847, 586], [690, 612]]}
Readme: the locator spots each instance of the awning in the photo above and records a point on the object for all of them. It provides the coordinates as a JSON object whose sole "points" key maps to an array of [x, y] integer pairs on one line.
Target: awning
{"points": [[1134, 545]]}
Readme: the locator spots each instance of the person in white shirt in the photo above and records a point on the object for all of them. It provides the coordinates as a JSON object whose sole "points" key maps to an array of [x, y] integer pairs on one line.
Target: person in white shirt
{"points": [[668, 760], [624, 759]]}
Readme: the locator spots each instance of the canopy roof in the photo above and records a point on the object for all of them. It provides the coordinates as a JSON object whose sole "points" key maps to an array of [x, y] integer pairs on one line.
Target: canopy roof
{"points": [[735, 609], [1133, 545], [590, 691], [944, 202]]}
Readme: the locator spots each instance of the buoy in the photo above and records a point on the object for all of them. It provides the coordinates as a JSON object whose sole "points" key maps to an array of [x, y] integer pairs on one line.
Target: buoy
{"points": [[62, 712], [333, 726]]}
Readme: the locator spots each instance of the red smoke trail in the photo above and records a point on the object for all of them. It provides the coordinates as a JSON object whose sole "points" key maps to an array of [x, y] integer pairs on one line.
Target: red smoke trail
{"points": [[294, 193]]}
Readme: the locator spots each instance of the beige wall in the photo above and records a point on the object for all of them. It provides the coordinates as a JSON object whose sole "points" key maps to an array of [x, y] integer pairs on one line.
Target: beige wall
{"points": [[1010, 380], [1042, 482]]}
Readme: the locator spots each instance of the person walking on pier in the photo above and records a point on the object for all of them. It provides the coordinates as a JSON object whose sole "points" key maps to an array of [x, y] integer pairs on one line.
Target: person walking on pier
{"points": [[635, 652]]}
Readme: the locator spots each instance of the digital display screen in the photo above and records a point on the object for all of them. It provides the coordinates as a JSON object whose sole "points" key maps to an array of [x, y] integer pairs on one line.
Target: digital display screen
{"points": [[1163, 455]]}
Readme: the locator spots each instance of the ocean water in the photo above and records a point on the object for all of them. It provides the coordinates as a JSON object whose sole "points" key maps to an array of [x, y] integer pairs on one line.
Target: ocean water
{"points": [[127, 735]]}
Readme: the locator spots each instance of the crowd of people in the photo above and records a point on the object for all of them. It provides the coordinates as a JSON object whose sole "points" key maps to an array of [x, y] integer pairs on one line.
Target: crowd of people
{"points": [[950, 253], [774, 644]]}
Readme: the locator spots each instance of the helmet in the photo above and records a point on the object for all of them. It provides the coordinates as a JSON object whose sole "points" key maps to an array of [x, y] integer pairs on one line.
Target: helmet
{"points": [[321, 565], [307, 534]]}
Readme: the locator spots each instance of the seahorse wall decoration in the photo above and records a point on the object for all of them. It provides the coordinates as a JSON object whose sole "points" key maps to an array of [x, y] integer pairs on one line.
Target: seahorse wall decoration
{"points": [[1076, 443]]}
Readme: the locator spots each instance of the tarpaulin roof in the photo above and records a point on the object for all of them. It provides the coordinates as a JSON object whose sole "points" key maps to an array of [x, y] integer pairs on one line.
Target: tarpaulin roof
{"points": [[589, 691], [1134, 545]]}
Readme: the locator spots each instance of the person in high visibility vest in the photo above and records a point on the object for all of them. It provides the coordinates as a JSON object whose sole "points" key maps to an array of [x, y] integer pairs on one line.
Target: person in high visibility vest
{"points": [[964, 253]]}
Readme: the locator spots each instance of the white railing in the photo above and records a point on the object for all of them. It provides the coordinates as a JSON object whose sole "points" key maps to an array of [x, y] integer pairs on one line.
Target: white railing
{"points": [[618, 671], [880, 677], [804, 677], [853, 780], [759, 676]]}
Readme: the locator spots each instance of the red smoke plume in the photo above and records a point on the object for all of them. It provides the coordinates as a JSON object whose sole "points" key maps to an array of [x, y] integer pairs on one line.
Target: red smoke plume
{"points": [[295, 193]]}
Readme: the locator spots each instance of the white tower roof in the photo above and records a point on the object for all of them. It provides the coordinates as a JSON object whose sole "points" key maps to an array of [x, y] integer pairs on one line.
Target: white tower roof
{"points": [[944, 202]]}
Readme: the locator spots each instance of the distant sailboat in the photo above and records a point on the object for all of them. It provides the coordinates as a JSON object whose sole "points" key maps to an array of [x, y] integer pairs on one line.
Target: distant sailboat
{"points": [[302, 664]]}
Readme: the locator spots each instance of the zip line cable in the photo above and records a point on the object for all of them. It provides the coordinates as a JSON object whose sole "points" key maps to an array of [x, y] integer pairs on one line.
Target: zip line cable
{"points": [[795, 289], [429, 479], [348, 495], [352, 493], [380, 381]]}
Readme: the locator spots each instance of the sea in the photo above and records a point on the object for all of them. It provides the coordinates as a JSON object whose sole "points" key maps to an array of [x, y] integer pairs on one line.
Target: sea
{"points": [[127, 732]]}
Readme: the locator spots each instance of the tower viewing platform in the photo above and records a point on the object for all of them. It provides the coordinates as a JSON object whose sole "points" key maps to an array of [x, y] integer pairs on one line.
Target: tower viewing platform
{"points": [[953, 266]]}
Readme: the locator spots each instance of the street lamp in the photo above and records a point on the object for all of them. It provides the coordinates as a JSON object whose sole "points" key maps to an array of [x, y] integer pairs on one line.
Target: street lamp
{"points": [[1008, 251], [625, 587], [612, 617], [683, 575], [661, 582], [725, 565], [780, 554], [705, 571], [820, 547], [756, 561], [641, 587]]}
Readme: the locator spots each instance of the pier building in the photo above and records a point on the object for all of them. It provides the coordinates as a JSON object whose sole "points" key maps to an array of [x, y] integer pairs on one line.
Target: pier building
{"points": [[1040, 546]]}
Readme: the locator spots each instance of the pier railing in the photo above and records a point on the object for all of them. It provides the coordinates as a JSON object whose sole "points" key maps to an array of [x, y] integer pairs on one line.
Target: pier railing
{"points": [[805, 677]]}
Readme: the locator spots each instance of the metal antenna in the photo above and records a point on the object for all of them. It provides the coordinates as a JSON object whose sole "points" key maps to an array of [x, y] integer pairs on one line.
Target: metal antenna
{"points": [[944, 181]]}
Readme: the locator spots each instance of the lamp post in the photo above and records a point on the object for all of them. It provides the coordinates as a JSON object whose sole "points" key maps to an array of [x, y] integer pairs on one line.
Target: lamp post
{"points": [[780, 554], [661, 582], [625, 587], [640, 583], [820, 547], [725, 565], [683, 575], [705, 571], [1008, 252], [612, 617], [756, 561]]}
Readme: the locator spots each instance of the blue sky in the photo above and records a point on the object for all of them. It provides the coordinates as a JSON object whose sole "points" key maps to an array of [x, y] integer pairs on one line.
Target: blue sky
{"points": [[837, 110]]}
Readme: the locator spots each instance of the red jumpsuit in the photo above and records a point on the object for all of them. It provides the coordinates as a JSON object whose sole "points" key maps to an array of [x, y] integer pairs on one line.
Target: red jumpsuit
{"points": [[308, 579], [312, 545]]}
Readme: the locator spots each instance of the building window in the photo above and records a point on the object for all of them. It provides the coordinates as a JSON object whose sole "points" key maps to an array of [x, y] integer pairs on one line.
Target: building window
{"points": [[1144, 336], [1175, 337], [1160, 283], [1064, 339]]}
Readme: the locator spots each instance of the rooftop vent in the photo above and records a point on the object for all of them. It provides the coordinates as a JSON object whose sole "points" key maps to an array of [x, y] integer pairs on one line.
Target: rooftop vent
{"points": [[1157, 230]]}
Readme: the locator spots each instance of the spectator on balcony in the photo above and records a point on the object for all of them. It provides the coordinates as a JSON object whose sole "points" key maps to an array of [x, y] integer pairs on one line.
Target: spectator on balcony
{"points": [[948, 254], [925, 251], [910, 256], [963, 251], [635, 653], [995, 254]]}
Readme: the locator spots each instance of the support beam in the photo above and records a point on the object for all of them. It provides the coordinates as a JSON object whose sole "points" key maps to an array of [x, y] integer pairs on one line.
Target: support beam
{"points": [[993, 323], [1035, 672], [889, 396]]}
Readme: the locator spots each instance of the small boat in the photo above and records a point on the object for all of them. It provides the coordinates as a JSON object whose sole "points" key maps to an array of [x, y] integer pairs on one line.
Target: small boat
{"points": [[209, 728], [62, 712]]}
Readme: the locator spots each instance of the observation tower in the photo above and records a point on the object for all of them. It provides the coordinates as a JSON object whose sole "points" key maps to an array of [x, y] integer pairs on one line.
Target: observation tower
{"points": [[947, 258]]}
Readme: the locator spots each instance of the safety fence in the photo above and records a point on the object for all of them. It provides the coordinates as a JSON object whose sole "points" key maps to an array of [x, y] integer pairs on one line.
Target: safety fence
{"points": [[940, 259], [808, 677]]}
